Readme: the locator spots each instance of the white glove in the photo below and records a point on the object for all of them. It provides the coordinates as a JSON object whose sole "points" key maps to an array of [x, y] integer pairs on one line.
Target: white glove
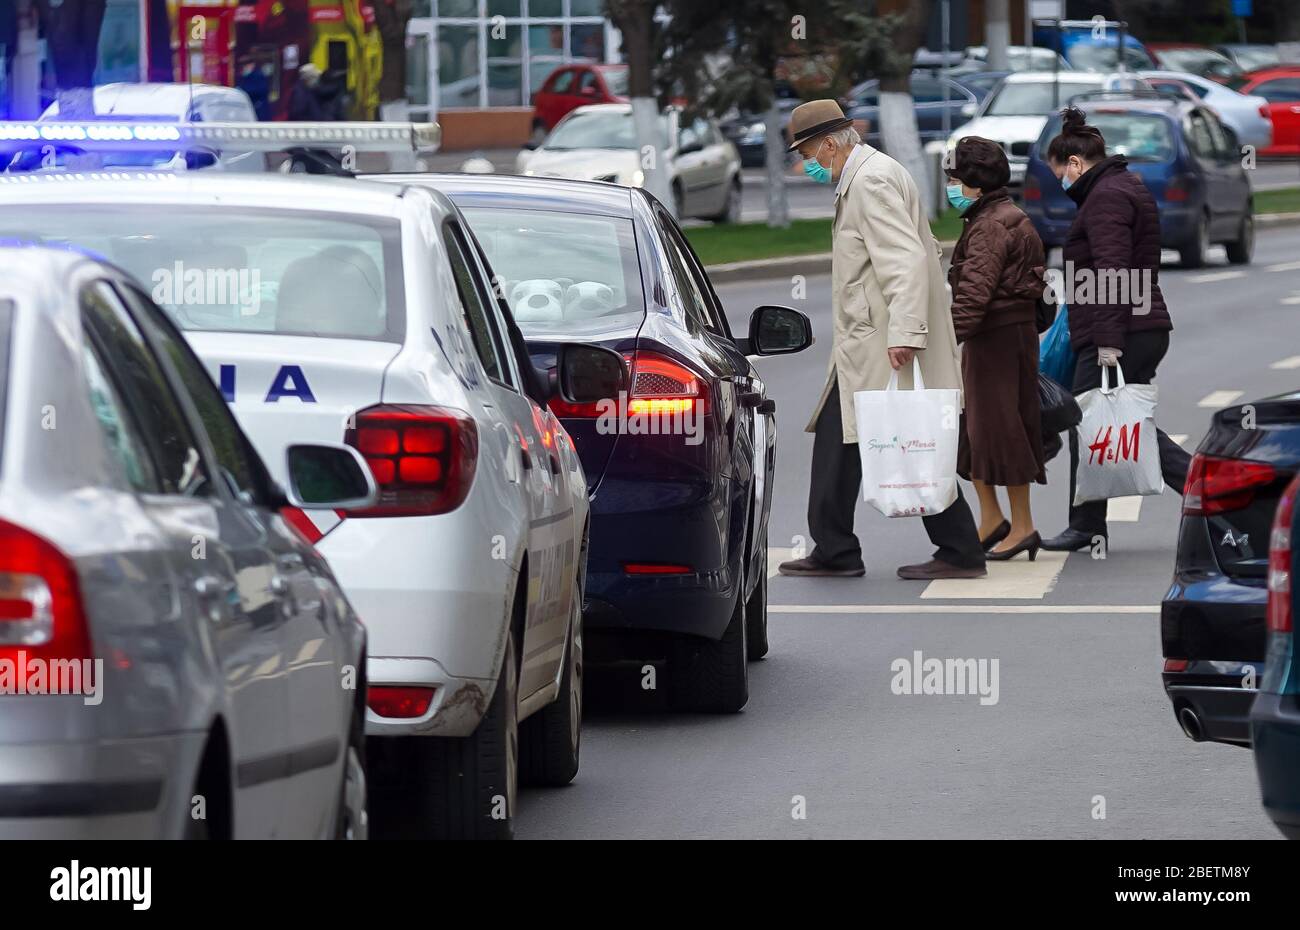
{"points": [[1108, 357]]}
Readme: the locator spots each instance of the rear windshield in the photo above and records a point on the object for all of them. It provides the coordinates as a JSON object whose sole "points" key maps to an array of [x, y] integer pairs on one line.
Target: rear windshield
{"points": [[555, 268], [1036, 98], [228, 269], [1140, 137]]}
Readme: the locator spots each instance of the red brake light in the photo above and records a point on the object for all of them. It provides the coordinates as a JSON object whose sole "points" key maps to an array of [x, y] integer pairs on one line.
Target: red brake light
{"points": [[1178, 189], [41, 613], [1263, 111], [1032, 191], [1218, 485], [659, 386], [402, 703], [422, 457], [656, 568], [1279, 562]]}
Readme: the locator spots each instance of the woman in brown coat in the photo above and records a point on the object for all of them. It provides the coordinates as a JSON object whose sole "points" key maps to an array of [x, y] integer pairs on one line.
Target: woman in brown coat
{"points": [[997, 280]]}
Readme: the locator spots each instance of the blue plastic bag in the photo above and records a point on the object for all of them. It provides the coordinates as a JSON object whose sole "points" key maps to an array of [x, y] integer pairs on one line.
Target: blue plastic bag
{"points": [[1055, 357]]}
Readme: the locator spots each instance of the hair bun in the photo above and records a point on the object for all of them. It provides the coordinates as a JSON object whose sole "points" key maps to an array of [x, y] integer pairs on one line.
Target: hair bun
{"points": [[1073, 120]]}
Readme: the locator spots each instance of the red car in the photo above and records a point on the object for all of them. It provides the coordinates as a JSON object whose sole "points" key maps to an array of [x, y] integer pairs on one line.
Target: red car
{"points": [[573, 86], [1280, 86]]}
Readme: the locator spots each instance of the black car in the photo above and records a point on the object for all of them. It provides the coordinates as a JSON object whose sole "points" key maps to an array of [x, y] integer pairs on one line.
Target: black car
{"points": [[747, 130], [680, 471], [1212, 620]]}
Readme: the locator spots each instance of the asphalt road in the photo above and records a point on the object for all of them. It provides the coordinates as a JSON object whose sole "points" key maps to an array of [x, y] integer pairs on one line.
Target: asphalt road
{"points": [[1080, 715]]}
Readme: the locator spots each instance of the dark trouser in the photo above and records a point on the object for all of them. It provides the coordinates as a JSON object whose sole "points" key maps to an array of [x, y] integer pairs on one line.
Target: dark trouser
{"points": [[1142, 353], [833, 494]]}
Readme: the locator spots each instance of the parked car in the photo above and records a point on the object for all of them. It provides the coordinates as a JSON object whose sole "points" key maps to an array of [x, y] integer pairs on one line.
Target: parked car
{"points": [[1250, 57], [573, 86], [598, 143], [1019, 58], [371, 322], [680, 508], [1212, 619], [1280, 86], [1015, 112], [1246, 115], [1188, 159], [747, 130], [142, 542], [1275, 715], [980, 83], [928, 92], [1091, 45], [1193, 59]]}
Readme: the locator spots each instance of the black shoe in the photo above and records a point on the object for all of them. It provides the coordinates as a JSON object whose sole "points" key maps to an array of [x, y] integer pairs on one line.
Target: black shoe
{"points": [[999, 533], [811, 568], [936, 569], [1071, 540], [1030, 544]]}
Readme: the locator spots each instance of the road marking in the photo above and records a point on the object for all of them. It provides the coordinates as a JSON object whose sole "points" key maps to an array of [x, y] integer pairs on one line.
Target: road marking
{"points": [[1018, 578], [1291, 301], [775, 556], [1215, 276], [963, 609], [1285, 266], [1179, 438], [1287, 364], [1217, 399], [1124, 509]]}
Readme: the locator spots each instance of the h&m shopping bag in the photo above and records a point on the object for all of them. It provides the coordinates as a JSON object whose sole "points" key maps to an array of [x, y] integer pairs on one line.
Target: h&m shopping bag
{"points": [[908, 444], [1118, 455]]}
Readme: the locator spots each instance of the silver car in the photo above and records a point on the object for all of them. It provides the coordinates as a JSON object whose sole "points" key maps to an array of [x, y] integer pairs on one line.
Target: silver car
{"points": [[175, 661]]}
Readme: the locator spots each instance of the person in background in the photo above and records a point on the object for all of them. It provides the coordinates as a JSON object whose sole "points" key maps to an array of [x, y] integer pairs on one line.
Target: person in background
{"points": [[304, 104], [1117, 229], [997, 280], [253, 81], [890, 307]]}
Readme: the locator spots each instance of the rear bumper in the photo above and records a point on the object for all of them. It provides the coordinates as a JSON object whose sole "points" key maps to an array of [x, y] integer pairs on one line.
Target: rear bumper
{"points": [[457, 707], [1213, 693], [1275, 728]]}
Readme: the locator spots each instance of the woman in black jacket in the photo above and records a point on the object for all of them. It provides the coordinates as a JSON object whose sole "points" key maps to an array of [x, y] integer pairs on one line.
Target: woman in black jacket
{"points": [[1120, 319]]}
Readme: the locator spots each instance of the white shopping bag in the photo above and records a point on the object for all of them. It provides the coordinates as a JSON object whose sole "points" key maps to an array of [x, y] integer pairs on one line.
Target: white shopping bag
{"points": [[1118, 454], [908, 444]]}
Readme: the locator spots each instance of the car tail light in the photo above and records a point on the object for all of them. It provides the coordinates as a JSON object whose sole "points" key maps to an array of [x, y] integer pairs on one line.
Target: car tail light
{"points": [[1218, 485], [422, 457], [1032, 190], [402, 703], [659, 386], [1178, 189], [41, 612], [1263, 111], [1279, 562], [1176, 665], [656, 568]]}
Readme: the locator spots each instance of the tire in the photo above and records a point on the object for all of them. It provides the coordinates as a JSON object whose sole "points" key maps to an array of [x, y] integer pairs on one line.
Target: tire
{"points": [[1192, 254], [731, 209], [1242, 250], [756, 617], [448, 788], [712, 676], [352, 822], [550, 741]]}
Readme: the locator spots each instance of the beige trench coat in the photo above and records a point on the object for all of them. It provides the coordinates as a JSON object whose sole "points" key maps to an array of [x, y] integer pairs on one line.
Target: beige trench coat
{"points": [[887, 287]]}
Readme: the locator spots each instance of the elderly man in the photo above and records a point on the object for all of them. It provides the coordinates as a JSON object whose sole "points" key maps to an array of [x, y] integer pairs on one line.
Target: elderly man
{"points": [[890, 305]]}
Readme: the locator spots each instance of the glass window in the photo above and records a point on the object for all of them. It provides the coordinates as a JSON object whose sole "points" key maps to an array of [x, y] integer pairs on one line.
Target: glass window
{"points": [[148, 393], [925, 90], [539, 71], [599, 129], [239, 464], [503, 8], [458, 63], [694, 301], [587, 7], [546, 39], [1199, 136], [505, 41], [563, 80], [119, 430], [458, 7], [1218, 138], [505, 84], [1281, 90], [546, 8], [472, 300], [239, 269], [1035, 98], [588, 41]]}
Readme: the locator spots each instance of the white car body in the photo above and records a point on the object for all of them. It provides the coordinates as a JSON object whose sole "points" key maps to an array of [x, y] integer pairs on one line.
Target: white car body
{"points": [[1017, 133], [436, 593], [1245, 114], [705, 178]]}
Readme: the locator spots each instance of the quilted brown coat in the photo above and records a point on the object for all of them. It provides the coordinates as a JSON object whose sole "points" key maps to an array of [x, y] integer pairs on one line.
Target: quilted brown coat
{"points": [[997, 267]]}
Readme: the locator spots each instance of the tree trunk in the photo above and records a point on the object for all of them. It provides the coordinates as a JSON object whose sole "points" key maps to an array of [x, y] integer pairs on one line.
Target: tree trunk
{"points": [[391, 18], [898, 131], [997, 33], [778, 204], [635, 19]]}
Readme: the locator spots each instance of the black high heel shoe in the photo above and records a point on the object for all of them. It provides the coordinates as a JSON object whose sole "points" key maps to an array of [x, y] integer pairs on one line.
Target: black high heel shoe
{"points": [[1031, 544], [999, 533]]}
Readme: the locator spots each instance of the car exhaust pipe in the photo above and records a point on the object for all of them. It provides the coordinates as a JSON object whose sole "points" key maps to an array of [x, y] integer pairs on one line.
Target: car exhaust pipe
{"points": [[1190, 721]]}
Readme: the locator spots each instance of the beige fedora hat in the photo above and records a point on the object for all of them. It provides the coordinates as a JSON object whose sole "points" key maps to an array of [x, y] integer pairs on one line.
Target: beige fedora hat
{"points": [[815, 118]]}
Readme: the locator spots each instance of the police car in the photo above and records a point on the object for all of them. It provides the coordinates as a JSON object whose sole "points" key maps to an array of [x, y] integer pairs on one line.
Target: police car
{"points": [[329, 310]]}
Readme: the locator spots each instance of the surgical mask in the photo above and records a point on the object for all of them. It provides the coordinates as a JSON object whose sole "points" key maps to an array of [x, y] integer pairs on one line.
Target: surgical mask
{"points": [[958, 199], [815, 169], [1065, 178]]}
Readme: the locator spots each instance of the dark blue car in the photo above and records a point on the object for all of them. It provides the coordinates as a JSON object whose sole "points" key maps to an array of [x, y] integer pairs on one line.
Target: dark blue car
{"points": [[1275, 718], [680, 471], [1190, 161]]}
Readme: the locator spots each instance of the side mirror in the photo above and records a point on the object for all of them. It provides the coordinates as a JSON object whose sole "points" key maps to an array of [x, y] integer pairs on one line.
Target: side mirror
{"points": [[329, 476], [586, 374], [777, 330]]}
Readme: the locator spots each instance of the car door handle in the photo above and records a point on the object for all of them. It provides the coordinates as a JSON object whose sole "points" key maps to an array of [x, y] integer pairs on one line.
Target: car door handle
{"points": [[750, 399]]}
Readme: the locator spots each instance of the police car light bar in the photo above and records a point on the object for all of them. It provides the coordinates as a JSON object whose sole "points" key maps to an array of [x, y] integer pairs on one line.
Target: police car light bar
{"points": [[117, 135]]}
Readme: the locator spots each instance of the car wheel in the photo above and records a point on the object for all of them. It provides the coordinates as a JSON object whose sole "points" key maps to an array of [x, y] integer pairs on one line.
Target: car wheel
{"points": [[432, 787], [756, 617], [731, 209], [712, 676], [1242, 250], [353, 820], [550, 741], [1192, 255]]}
